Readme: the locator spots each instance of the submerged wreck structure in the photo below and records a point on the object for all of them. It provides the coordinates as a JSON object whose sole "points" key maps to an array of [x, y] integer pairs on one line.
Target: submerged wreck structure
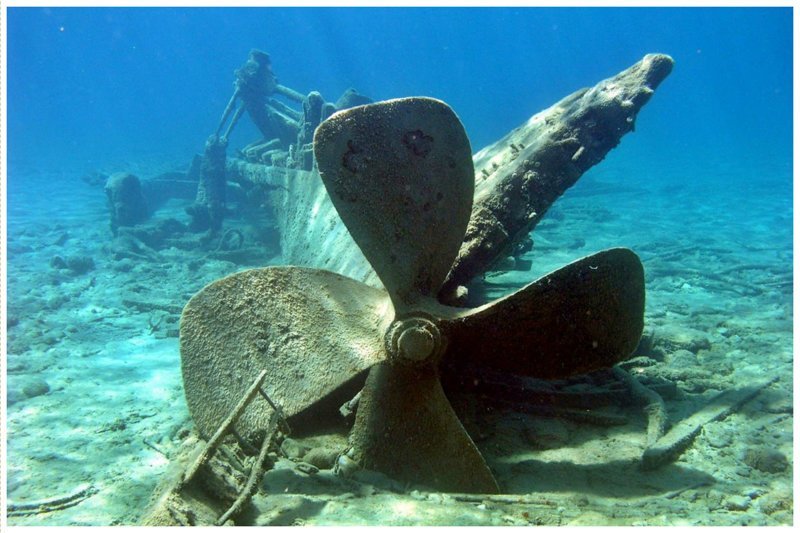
{"points": [[373, 334]]}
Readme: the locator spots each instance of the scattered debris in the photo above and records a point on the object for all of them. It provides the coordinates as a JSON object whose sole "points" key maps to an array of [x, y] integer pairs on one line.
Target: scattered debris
{"points": [[669, 447], [52, 504]]}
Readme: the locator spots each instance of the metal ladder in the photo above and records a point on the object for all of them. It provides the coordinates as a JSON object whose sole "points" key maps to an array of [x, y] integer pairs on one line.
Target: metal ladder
{"points": [[227, 427]]}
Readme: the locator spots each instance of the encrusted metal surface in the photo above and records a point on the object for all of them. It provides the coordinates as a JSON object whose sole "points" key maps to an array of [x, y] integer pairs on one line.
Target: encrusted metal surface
{"points": [[400, 175], [310, 329], [406, 428], [582, 317]]}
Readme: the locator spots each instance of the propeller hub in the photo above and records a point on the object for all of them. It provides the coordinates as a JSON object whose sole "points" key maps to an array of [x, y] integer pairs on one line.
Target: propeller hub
{"points": [[416, 344], [413, 340]]}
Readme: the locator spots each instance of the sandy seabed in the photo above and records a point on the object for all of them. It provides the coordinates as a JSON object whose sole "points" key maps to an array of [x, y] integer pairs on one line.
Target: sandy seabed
{"points": [[95, 399]]}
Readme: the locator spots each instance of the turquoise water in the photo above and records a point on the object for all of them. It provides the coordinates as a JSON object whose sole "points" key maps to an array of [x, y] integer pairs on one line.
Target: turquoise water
{"points": [[701, 191]]}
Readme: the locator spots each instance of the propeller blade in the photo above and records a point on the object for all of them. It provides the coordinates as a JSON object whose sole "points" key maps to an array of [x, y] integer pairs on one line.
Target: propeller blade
{"points": [[406, 428], [582, 317], [400, 175], [311, 330]]}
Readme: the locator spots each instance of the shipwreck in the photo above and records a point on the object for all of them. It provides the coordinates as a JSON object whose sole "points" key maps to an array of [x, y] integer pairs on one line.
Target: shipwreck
{"points": [[386, 215]]}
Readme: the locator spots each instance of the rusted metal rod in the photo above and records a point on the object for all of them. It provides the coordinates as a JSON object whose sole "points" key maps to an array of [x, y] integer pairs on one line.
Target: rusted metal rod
{"points": [[278, 411], [227, 111], [289, 93], [214, 441], [252, 479], [234, 120]]}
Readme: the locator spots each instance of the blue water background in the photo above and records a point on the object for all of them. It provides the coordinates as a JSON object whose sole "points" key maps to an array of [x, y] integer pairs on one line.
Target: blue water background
{"points": [[89, 87]]}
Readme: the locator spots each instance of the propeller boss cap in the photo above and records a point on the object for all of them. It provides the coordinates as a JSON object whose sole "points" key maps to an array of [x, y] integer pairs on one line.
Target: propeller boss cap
{"points": [[413, 340]]}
